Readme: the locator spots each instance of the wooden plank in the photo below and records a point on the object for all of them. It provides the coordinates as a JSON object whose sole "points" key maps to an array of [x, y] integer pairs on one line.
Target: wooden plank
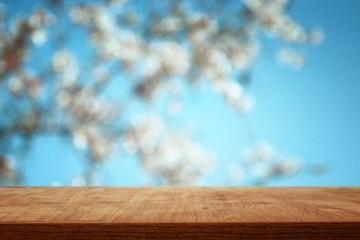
{"points": [[179, 212]]}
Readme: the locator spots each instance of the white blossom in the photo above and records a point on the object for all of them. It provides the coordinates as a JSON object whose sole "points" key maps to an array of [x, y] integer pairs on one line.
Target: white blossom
{"points": [[99, 144], [16, 85], [174, 58], [175, 106], [263, 162], [78, 181], [172, 155], [236, 173], [167, 25], [316, 36], [65, 64], [291, 58], [82, 15], [39, 37]]}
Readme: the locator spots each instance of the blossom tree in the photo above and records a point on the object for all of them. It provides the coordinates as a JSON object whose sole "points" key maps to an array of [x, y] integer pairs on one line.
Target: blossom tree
{"points": [[154, 49]]}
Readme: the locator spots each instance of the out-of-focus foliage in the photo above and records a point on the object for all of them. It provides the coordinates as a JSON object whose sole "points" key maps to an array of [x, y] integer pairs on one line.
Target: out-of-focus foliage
{"points": [[157, 48]]}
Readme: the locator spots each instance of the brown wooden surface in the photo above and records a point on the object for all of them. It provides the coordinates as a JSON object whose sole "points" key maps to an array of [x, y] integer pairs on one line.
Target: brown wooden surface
{"points": [[179, 212]]}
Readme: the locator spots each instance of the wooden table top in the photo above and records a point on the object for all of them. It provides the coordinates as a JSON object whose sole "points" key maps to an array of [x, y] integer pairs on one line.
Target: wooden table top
{"points": [[179, 212]]}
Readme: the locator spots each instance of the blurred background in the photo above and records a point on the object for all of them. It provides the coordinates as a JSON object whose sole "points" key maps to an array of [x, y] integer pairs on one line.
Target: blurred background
{"points": [[137, 92]]}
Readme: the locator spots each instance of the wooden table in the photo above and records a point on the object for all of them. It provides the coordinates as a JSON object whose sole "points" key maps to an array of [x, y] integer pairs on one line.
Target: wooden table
{"points": [[179, 212]]}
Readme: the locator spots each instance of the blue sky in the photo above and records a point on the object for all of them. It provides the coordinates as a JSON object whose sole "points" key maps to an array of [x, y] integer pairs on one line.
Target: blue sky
{"points": [[313, 113]]}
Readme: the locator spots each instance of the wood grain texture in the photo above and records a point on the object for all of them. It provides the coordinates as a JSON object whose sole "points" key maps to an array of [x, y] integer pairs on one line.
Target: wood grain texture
{"points": [[179, 212]]}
